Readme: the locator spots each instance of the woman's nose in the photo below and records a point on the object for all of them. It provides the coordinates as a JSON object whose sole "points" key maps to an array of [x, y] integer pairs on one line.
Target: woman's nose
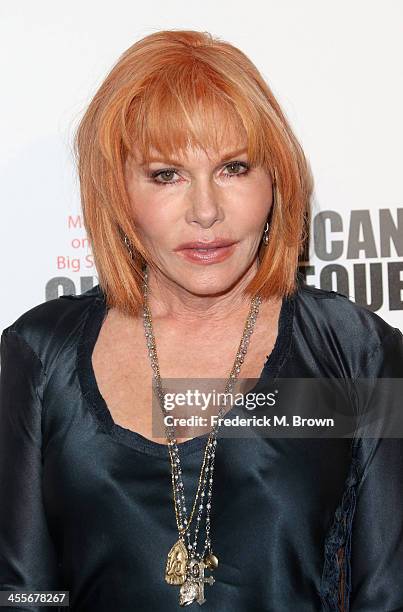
{"points": [[205, 204]]}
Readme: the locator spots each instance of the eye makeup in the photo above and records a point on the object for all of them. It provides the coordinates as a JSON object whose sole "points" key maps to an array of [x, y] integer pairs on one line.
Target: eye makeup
{"points": [[153, 175]]}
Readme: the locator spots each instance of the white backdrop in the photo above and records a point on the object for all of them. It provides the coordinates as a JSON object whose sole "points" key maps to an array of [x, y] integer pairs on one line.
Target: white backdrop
{"points": [[335, 68]]}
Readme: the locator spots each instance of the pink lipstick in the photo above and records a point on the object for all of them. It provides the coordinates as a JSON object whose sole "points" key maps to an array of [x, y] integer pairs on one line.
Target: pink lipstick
{"points": [[200, 252]]}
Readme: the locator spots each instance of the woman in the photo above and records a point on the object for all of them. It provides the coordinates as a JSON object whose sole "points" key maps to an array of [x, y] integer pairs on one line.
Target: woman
{"points": [[195, 197]]}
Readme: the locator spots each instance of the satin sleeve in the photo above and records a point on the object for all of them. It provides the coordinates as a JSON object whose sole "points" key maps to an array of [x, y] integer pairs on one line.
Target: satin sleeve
{"points": [[377, 529], [27, 555]]}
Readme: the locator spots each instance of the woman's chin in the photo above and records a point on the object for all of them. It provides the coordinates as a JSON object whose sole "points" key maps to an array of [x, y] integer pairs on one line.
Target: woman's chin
{"points": [[204, 283]]}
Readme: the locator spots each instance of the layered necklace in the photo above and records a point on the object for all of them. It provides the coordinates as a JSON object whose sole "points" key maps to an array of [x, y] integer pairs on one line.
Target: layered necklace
{"points": [[186, 565]]}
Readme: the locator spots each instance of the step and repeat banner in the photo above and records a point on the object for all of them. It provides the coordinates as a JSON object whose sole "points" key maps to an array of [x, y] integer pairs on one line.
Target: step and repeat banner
{"points": [[335, 69]]}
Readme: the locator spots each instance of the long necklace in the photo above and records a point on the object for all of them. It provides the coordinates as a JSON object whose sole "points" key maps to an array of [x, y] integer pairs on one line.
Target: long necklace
{"points": [[185, 566]]}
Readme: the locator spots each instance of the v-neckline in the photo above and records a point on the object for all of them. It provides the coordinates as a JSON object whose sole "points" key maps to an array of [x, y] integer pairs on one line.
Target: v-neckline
{"points": [[90, 390]]}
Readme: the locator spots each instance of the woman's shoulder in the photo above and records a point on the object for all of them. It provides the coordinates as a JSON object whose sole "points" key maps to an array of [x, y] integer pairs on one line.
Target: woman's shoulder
{"points": [[342, 313], [333, 319], [51, 325]]}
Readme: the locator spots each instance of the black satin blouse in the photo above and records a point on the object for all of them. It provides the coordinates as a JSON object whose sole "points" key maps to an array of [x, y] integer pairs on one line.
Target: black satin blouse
{"points": [[299, 525]]}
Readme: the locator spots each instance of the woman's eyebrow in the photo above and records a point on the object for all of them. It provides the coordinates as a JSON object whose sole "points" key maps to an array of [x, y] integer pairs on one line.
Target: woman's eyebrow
{"points": [[176, 162]]}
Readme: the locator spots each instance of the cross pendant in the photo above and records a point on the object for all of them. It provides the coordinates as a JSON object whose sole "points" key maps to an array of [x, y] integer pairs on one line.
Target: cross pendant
{"points": [[197, 572], [193, 589]]}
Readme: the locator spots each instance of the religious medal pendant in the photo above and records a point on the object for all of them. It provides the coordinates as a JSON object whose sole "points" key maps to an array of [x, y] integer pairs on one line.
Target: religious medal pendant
{"points": [[193, 588], [175, 571]]}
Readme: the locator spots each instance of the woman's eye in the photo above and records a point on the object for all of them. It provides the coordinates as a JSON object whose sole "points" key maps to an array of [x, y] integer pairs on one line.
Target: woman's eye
{"points": [[164, 174], [236, 165], [164, 177]]}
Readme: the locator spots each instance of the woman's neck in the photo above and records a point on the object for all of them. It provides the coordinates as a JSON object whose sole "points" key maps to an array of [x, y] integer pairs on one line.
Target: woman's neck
{"points": [[170, 301]]}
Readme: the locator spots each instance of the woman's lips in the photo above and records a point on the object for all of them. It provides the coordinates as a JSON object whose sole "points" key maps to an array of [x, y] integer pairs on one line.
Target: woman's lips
{"points": [[206, 255]]}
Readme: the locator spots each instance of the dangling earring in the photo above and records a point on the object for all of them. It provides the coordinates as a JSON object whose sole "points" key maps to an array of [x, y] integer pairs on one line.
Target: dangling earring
{"points": [[266, 234], [266, 229], [128, 245]]}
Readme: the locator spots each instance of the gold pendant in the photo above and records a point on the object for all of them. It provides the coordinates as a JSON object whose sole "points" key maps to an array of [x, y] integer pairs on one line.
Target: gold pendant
{"points": [[211, 561], [175, 571]]}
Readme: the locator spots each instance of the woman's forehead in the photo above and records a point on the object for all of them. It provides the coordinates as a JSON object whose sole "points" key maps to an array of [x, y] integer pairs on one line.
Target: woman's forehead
{"points": [[225, 151], [174, 133], [217, 148]]}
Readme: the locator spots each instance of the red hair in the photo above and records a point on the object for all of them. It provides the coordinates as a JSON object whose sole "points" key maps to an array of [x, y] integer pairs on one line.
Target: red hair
{"points": [[172, 89]]}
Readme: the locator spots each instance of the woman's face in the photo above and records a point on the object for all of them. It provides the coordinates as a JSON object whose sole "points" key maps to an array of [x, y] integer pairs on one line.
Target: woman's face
{"points": [[201, 198]]}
